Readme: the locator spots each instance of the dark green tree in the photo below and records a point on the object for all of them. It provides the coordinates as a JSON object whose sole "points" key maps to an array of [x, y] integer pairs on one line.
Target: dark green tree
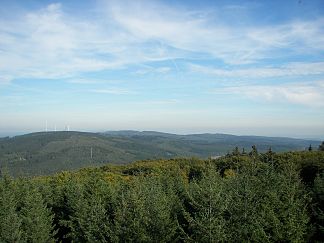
{"points": [[254, 153], [209, 202], [236, 151], [318, 209], [265, 205], [92, 204], [36, 218], [10, 222], [321, 147]]}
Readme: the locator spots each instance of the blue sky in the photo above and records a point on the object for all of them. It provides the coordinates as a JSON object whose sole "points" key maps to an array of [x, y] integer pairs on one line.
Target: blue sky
{"points": [[240, 67]]}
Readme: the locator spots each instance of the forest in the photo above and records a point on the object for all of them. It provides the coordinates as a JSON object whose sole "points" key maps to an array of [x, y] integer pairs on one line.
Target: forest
{"points": [[47, 153], [241, 197]]}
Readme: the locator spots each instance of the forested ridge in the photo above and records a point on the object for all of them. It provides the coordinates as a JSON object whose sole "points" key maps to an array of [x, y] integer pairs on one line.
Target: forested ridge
{"points": [[240, 197], [46, 153]]}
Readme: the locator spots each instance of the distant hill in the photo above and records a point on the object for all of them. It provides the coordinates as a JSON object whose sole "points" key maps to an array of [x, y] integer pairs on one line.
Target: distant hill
{"points": [[49, 152]]}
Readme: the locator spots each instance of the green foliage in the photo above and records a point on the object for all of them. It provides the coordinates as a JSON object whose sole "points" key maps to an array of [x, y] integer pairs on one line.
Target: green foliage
{"points": [[46, 153], [321, 147], [10, 222], [209, 203], [91, 203], [318, 208], [145, 211], [264, 205], [24, 216], [270, 197], [36, 218]]}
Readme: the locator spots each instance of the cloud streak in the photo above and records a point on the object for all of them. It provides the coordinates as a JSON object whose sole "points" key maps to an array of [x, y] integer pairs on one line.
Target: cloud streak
{"points": [[113, 91], [51, 43], [289, 69], [309, 94]]}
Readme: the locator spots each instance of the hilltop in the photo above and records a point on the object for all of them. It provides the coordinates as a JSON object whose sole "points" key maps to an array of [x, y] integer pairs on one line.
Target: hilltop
{"points": [[45, 153]]}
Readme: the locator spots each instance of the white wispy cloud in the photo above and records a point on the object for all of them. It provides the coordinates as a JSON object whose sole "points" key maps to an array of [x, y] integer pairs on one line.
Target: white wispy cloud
{"points": [[5, 79], [113, 91], [163, 102], [197, 33], [308, 94], [52, 43], [92, 81], [148, 69], [290, 69]]}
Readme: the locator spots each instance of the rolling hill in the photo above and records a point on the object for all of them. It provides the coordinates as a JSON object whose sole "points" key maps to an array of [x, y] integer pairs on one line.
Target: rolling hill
{"points": [[50, 152]]}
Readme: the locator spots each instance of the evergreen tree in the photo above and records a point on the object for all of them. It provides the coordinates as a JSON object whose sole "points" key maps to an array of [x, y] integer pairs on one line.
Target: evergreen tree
{"points": [[318, 208], [160, 204], [321, 147], [10, 222], [236, 151], [131, 215], [254, 153], [243, 151], [91, 204], [266, 205], [208, 198], [145, 212], [36, 218]]}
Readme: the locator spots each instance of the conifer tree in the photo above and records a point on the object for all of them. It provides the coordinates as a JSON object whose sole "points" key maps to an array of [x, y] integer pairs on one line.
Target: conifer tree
{"points": [[321, 147], [318, 208], [36, 218], [10, 222], [236, 151], [209, 202], [91, 213], [243, 151]]}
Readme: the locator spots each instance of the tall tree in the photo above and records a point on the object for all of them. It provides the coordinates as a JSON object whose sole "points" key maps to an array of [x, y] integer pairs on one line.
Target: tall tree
{"points": [[36, 218], [208, 198], [321, 147], [10, 222]]}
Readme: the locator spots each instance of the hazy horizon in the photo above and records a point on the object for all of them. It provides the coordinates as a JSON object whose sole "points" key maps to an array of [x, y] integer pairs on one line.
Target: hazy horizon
{"points": [[18, 133], [234, 67]]}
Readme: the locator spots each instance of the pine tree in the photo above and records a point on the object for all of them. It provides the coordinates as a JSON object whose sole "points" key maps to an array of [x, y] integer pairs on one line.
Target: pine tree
{"points": [[209, 206], [236, 151], [91, 211], [254, 153], [10, 222], [243, 151], [266, 205], [318, 208], [321, 147], [36, 218]]}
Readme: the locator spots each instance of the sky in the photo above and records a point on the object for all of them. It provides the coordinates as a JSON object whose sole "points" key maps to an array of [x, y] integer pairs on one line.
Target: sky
{"points": [[239, 67]]}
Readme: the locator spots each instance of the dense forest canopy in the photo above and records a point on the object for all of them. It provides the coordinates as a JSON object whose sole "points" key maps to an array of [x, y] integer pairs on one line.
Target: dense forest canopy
{"points": [[46, 153], [256, 197]]}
